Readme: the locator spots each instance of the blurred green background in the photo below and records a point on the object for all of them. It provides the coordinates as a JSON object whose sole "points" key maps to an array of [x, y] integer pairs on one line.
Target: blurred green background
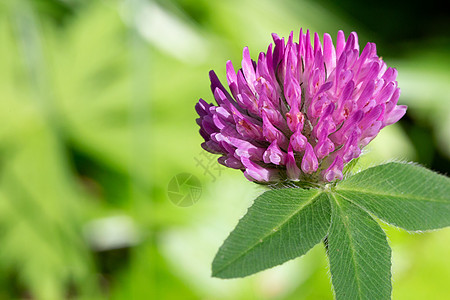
{"points": [[96, 118]]}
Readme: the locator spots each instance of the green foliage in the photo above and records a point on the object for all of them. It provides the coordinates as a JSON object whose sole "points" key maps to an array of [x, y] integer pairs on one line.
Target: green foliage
{"points": [[359, 255], [404, 195], [40, 221], [281, 225], [286, 223]]}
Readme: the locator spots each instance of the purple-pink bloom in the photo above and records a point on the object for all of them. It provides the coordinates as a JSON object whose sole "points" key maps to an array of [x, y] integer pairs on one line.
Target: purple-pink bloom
{"points": [[300, 112]]}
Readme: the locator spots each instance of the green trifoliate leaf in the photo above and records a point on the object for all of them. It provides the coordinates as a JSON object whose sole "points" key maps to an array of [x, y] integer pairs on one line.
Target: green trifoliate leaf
{"points": [[360, 257], [405, 195], [281, 225]]}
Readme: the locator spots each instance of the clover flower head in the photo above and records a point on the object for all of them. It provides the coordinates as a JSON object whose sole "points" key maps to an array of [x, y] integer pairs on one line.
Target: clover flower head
{"points": [[301, 111]]}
